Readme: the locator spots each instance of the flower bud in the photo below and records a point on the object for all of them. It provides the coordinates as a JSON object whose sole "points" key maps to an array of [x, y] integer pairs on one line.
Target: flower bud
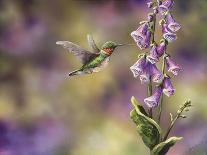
{"points": [[155, 10], [150, 17], [150, 4]]}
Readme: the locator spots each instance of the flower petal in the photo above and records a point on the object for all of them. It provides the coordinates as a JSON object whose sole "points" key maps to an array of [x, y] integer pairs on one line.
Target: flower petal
{"points": [[168, 88], [153, 101], [156, 75], [166, 6], [138, 67], [172, 66], [153, 57], [172, 25], [142, 36], [170, 37]]}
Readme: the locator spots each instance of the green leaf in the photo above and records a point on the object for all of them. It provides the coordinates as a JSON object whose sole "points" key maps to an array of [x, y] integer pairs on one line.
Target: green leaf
{"points": [[147, 128], [171, 117], [163, 147], [137, 105]]}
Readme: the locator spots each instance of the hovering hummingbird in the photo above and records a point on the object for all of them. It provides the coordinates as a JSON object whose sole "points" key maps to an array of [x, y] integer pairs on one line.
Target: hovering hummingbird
{"points": [[93, 61]]}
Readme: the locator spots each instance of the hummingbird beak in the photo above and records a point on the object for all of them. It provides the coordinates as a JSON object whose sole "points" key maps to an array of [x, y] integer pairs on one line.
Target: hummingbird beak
{"points": [[125, 44], [120, 44]]}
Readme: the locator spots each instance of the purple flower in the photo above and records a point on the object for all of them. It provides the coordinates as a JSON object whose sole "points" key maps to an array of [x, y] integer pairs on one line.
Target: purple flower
{"points": [[146, 42], [150, 17], [153, 101], [172, 25], [156, 75], [150, 4], [166, 6], [172, 66], [151, 71], [161, 48], [142, 36], [145, 76], [138, 67], [156, 11], [169, 36], [140, 33], [153, 57], [168, 88]]}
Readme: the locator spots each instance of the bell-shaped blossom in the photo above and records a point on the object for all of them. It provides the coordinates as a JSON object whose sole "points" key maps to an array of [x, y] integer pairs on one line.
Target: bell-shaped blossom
{"points": [[166, 6], [145, 43], [172, 25], [168, 88], [156, 74], [169, 36], [172, 66], [153, 101], [142, 36], [138, 67], [140, 33], [153, 57], [145, 76], [161, 48]]}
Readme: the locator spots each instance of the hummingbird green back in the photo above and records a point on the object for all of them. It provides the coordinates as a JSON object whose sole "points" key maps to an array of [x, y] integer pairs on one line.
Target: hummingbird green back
{"points": [[92, 61]]}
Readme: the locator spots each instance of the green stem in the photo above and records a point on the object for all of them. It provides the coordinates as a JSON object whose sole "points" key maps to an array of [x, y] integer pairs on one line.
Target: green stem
{"points": [[152, 42], [171, 126], [153, 29], [179, 114], [150, 94], [161, 102]]}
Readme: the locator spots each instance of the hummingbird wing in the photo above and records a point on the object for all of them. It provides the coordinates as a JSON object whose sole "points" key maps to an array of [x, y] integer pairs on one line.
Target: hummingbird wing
{"points": [[82, 54], [92, 44]]}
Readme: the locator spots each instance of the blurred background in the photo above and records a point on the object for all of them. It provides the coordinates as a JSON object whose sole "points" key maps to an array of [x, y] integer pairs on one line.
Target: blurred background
{"points": [[42, 113]]}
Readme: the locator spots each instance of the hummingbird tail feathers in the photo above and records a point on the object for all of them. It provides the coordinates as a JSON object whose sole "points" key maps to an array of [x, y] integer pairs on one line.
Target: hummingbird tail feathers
{"points": [[76, 72]]}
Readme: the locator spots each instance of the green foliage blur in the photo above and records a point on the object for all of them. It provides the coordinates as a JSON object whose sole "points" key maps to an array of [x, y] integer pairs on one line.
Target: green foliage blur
{"points": [[43, 113]]}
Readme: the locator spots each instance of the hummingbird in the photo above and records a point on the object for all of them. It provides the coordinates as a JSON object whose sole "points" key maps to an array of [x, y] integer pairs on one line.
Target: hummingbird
{"points": [[92, 61]]}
